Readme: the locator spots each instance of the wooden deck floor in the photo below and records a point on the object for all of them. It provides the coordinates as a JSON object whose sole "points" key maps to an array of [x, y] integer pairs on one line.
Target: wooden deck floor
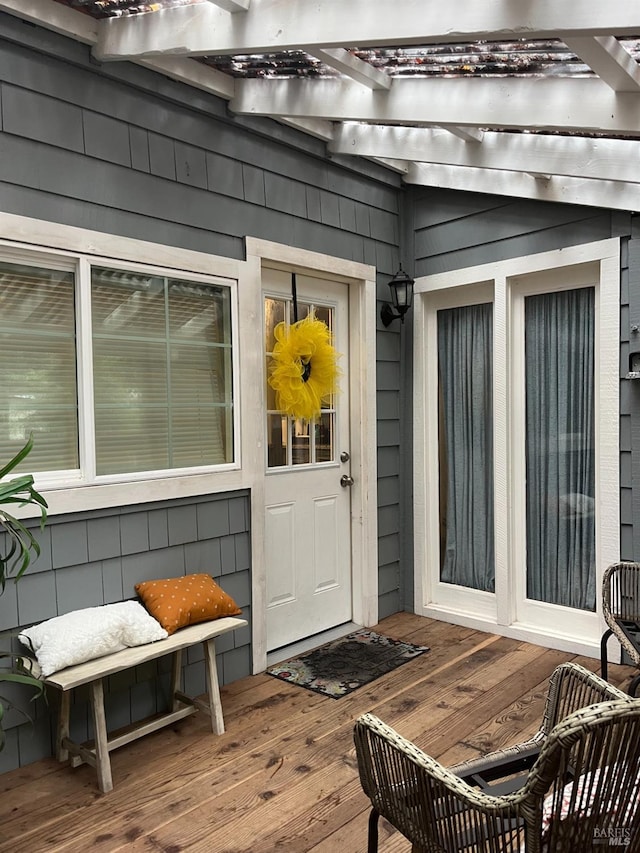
{"points": [[283, 777]]}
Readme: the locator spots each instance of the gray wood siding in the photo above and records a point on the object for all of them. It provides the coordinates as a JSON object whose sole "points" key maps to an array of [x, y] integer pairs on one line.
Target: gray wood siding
{"points": [[118, 149], [454, 230], [128, 157]]}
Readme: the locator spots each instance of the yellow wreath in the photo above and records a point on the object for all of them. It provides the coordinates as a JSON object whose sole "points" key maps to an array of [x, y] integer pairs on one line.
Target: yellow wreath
{"points": [[304, 367]]}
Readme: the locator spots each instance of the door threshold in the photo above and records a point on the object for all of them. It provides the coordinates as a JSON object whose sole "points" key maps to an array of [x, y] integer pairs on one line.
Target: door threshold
{"points": [[308, 643]]}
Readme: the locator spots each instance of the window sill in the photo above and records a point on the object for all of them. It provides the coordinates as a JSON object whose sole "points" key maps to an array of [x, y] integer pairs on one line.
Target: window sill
{"points": [[82, 497]]}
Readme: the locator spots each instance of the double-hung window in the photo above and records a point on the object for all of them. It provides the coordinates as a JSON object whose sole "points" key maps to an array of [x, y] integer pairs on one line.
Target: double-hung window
{"points": [[119, 371]]}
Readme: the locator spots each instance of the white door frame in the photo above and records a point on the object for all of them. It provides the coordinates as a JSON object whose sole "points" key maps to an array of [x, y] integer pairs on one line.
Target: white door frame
{"points": [[361, 279], [500, 276]]}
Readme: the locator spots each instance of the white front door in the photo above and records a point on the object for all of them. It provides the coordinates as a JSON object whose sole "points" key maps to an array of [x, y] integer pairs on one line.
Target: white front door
{"points": [[307, 510]]}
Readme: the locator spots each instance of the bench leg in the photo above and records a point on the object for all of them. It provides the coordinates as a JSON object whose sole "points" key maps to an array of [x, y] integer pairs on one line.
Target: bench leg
{"points": [[176, 679], [213, 687], [62, 752], [103, 762]]}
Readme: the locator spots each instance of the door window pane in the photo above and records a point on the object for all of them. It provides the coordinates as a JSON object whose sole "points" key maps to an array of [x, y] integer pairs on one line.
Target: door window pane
{"points": [[277, 442], [324, 314], [293, 441], [300, 442], [560, 448], [324, 437], [465, 363], [38, 355], [162, 372], [274, 313], [303, 311]]}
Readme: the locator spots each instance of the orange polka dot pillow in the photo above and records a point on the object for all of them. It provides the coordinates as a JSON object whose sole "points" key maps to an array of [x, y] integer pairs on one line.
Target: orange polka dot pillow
{"points": [[177, 602]]}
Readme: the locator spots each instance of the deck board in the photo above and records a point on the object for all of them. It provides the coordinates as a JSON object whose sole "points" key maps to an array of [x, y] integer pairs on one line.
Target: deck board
{"points": [[283, 777]]}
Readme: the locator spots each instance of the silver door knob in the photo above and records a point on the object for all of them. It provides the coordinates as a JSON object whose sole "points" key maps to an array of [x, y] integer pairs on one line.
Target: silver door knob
{"points": [[346, 480]]}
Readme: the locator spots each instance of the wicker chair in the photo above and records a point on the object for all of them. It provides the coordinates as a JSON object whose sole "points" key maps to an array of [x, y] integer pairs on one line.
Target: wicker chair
{"points": [[621, 611], [582, 788]]}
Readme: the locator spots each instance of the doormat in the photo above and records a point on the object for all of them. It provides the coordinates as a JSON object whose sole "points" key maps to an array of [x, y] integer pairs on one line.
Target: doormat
{"points": [[342, 666]]}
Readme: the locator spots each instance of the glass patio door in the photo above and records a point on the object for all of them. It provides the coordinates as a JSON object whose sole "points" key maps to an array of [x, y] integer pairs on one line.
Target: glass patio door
{"points": [[517, 444], [560, 448], [532, 489], [465, 364]]}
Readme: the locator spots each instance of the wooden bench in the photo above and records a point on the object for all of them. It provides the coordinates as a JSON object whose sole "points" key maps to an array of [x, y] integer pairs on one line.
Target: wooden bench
{"points": [[93, 672]]}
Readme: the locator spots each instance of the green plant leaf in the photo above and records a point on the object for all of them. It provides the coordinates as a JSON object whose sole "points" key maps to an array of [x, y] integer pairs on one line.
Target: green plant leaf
{"points": [[18, 678], [19, 548], [18, 555], [22, 544], [20, 456]]}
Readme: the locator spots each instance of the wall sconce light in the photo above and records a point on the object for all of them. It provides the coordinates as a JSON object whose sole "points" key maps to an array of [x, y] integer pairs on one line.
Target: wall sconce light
{"points": [[634, 353], [401, 286]]}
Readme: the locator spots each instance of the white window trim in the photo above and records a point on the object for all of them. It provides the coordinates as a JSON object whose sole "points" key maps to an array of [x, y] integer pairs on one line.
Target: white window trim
{"points": [[77, 248], [500, 617], [87, 358]]}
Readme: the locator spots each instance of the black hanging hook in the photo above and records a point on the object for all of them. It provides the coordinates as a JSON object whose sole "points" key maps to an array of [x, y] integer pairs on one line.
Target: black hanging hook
{"points": [[306, 365], [294, 295]]}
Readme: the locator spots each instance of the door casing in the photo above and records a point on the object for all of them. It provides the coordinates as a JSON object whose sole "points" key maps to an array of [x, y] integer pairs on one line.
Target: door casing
{"points": [[361, 280]]}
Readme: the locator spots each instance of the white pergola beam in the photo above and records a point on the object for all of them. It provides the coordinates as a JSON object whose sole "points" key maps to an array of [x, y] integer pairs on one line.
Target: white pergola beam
{"points": [[606, 194], [595, 172], [519, 103], [193, 74], [467, 134], [273, 25], [401, 166], [573, 156], [73, 24], [352, 66], [55, 17], [320, 129], [231, 5], [610, 61]]}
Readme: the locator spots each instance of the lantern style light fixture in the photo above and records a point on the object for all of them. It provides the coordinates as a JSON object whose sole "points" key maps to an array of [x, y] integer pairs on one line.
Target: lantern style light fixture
{"points": [[401, 286]]}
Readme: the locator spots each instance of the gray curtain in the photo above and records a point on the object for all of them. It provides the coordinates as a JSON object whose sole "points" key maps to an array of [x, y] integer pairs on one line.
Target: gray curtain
{"points": [[559, 354], [465, 360]]}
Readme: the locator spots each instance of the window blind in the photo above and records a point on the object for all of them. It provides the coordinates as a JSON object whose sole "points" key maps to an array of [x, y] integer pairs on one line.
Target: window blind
{"points": [[162, 372], [38, 390]]}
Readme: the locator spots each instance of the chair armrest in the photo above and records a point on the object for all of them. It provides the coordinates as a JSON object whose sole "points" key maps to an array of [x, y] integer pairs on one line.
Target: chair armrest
{"points": [[429, 804], [621, 605], [572, 687], [486, 771]]}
